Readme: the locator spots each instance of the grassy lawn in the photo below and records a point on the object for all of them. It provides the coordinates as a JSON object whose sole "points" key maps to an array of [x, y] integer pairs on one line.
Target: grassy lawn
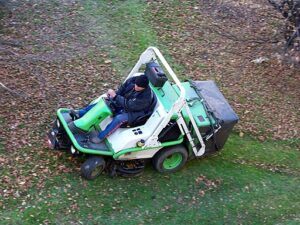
{"points": [[127, 32], [238, 186], [249, 182]]}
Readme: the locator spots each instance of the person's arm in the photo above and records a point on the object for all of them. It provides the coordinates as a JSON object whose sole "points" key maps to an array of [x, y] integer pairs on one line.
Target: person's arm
{"points": [[120, 100], [133, 105], [119, 95], [123, 86]]}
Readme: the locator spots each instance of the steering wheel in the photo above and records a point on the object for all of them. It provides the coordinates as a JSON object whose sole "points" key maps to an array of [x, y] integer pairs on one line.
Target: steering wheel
{"points": [[111, 104]]}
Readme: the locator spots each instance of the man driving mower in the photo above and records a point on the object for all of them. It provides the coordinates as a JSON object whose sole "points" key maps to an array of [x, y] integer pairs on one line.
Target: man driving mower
{"points": [[163, 119], [132, 100]]}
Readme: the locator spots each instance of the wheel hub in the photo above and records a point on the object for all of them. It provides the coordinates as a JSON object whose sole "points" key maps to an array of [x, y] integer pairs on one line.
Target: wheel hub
{"points": [[172, 161]]}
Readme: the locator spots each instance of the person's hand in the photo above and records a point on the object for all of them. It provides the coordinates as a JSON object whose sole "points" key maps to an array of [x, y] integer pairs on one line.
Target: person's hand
{"points": [[111, 93]]}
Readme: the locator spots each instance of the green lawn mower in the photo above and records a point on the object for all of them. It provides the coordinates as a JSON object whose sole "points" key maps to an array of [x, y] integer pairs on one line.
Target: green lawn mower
{"points": [[190, 119]]}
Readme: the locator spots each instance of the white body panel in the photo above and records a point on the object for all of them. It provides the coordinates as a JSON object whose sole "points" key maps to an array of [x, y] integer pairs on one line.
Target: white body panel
{"points": [[144, 154], [124, 138]]}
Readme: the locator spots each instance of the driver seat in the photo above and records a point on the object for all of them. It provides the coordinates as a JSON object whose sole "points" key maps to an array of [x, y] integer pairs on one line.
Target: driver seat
{"points": [[143, 119]]}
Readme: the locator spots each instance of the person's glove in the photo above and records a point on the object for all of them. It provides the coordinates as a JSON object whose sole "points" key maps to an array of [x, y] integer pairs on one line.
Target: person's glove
{"points": [[111, 93]]}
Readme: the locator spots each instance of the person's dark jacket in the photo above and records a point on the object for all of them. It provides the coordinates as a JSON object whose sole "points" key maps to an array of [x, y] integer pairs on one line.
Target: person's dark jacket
{"points": [[135, 103]]}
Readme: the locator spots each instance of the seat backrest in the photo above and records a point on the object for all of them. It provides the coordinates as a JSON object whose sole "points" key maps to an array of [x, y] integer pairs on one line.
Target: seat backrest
{"points": [[153, 103]]}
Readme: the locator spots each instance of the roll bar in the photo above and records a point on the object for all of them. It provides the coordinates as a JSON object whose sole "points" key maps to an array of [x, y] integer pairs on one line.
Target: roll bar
{"points": [[152, 53]]}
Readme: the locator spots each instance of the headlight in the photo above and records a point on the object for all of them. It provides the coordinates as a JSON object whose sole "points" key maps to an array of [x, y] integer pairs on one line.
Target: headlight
{"points": [[73, 150], [49, 143], [57, 123]]}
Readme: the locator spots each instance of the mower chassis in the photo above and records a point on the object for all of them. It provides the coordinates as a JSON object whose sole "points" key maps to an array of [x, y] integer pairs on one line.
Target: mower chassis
{"points": [[116, 155]]}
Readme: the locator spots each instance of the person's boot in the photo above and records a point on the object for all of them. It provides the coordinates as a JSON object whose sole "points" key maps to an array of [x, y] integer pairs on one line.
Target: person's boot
{"points": [[96, 140], [74, 114]]}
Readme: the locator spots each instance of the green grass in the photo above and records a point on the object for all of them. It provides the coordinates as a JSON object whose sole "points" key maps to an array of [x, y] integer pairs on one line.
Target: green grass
{"points": [[245, 192], [124, 28], [126, 32], [249, 182], [3, 13]]}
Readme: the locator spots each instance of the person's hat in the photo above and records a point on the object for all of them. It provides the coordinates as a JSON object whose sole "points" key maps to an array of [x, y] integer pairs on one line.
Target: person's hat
{"points": [[142, 81]]}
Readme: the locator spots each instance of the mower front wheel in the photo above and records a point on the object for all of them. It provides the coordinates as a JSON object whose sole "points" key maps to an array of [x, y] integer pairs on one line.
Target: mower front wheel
{"points": [[92, 167], [171, 159]]}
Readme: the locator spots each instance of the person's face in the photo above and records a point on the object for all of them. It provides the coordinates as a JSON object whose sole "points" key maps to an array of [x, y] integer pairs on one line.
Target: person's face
{"points": [[137, 88]]}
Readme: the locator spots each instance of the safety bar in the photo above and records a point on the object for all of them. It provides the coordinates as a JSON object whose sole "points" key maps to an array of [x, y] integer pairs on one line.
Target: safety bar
{"points": [[152, 53]]}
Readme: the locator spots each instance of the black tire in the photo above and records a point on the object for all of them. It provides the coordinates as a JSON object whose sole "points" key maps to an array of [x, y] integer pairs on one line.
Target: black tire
{"points": [[92, 167], [177, 151]]}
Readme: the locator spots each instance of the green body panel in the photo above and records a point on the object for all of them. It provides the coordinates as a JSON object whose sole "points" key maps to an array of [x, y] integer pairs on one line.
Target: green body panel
{"points": [[73, 139], [195, 105], [169, 93], [94, 116]]}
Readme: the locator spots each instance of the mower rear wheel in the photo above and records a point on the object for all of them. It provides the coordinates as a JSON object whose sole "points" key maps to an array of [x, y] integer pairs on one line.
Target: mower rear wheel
{"points": [[171, 159], [92, 167]]}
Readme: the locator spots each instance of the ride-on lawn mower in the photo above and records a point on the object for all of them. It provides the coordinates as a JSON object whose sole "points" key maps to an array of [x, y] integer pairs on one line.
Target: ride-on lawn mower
{"points": [[189, 119]]}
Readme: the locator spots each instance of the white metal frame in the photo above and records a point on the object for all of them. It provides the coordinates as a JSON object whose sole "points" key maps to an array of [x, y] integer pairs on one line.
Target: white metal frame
{"points": [[152, 53]]}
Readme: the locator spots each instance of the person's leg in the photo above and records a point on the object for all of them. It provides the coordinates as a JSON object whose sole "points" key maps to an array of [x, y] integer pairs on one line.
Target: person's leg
{"points": [[117, 121], [84, 110]]}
